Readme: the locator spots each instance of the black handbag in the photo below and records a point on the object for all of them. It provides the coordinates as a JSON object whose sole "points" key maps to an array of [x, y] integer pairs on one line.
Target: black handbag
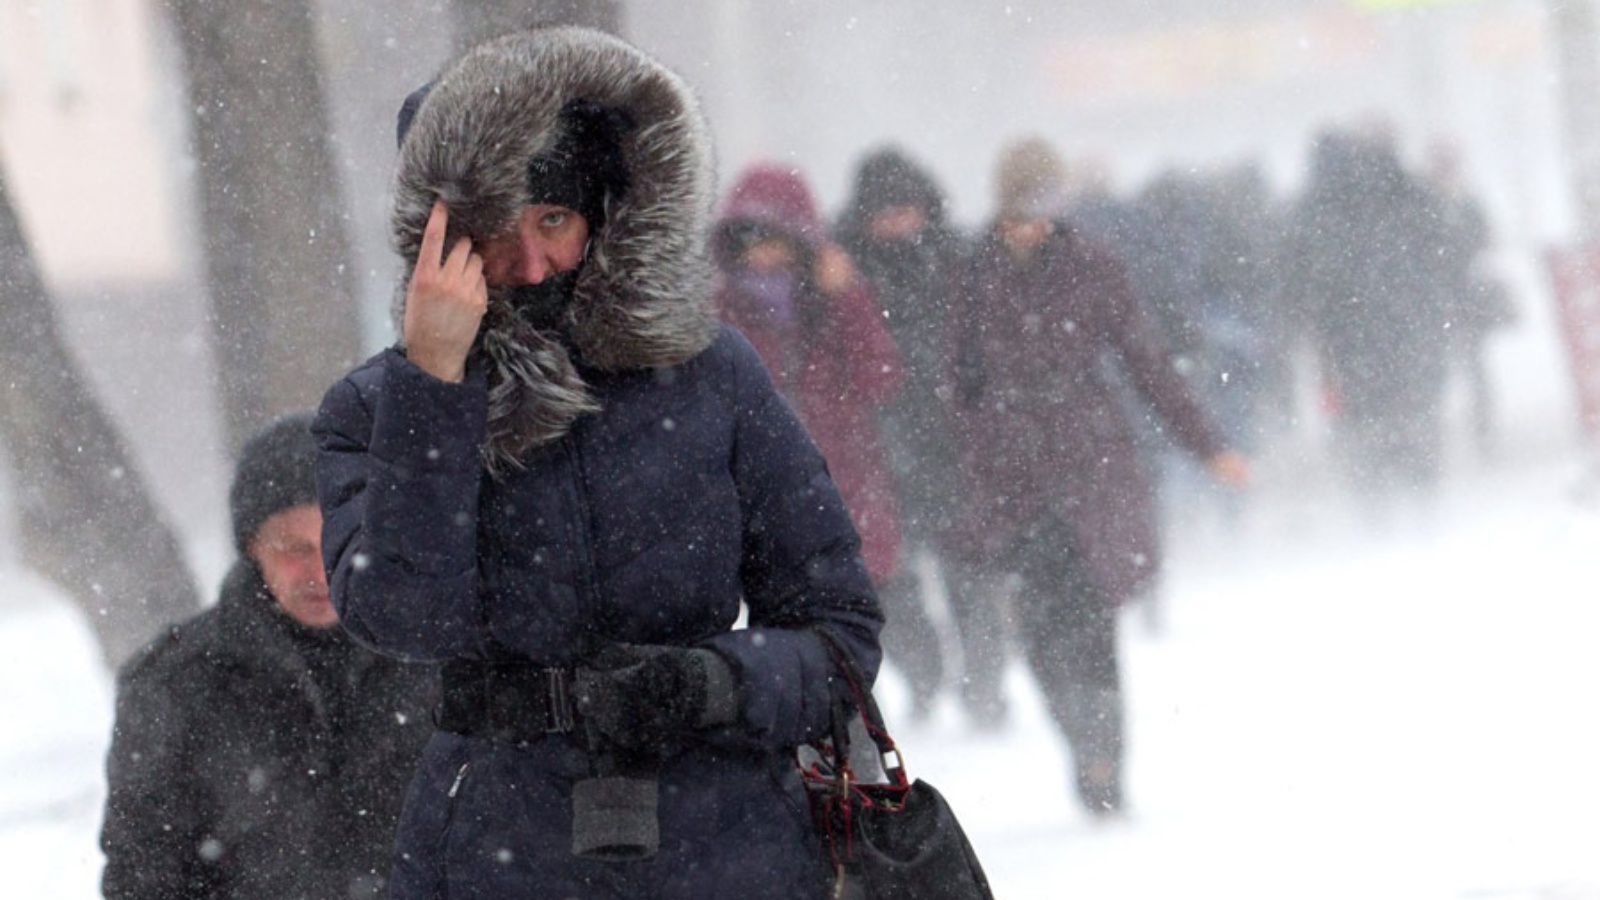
{"points": [[887, 837]]}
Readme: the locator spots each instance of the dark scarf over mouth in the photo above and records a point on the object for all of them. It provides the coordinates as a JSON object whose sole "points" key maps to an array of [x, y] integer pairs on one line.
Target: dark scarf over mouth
{"points": [[899, 261], [544, 305]]}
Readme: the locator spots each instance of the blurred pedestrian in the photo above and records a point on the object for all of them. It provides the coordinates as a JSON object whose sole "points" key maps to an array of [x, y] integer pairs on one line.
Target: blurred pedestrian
{"points": [[258, 751], [1250, 223], [569, 484], [1061, 497], [1475, 302], [1199, 270], [895, 227], [1365, 241], [799, 299]]}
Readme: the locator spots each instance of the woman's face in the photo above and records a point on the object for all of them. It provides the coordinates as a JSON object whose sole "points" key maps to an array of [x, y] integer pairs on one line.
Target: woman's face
{"points": [[770, 255], [548, 240]]}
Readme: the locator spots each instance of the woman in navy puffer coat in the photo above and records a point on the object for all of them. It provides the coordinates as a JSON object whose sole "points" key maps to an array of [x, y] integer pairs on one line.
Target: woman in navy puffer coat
{"points": [[574, 521]]}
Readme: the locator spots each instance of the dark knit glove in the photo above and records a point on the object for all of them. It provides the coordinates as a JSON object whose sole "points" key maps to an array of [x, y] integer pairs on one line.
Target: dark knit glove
{"points": [[640, 696]]}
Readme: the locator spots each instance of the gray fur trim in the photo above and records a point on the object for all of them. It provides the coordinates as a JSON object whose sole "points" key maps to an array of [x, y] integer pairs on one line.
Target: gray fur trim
{"points": [[538, 394], [643, 298]]}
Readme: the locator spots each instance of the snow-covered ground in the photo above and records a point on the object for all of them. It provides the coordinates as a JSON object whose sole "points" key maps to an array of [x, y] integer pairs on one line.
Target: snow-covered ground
{"points": [[1325, 711]]}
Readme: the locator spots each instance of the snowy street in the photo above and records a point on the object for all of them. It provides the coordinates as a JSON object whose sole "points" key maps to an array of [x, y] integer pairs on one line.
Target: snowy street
{"points": [[1405, 717], [1325, 712]]}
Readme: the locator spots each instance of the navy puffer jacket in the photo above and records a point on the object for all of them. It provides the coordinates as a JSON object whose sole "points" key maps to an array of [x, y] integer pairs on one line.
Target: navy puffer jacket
{"points": [[696, 488], [692, 494]]}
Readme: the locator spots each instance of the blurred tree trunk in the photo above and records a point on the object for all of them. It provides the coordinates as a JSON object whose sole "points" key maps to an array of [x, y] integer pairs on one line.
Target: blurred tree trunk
{"points": [[87, 520], [478, 20], [285, 318]]}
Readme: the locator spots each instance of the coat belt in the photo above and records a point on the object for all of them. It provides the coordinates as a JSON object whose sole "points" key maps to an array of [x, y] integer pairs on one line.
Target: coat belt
{"points": [[511, 701]]}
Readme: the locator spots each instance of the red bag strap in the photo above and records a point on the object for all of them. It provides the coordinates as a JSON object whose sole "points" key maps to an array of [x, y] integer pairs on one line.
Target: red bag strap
{"points": [[850, 692]]}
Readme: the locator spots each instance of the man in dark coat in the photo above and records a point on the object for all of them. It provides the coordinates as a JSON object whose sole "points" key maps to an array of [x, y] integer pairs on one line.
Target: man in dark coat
{"points": [[1060, 493], [1363, 251], [895, 228], [259, 752], [571, 485]]}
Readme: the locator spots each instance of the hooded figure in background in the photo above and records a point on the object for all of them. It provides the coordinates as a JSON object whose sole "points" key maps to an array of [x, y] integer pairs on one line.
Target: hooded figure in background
{"points": [[1060, 494], [798, 299], [567, 483], [895, 228], [1364, 246], [258, 751]]}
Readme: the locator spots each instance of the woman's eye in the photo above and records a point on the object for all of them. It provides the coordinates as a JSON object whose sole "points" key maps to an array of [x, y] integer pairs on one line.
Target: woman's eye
{"points": [[555, 219]]}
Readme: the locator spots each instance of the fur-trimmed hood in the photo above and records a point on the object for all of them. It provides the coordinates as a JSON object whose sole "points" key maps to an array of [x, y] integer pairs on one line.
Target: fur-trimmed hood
{"points": [[642, 299]]}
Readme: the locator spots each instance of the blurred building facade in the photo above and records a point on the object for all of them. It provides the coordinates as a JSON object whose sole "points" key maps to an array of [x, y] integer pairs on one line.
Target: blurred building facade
{"points": [[1141, 86]]}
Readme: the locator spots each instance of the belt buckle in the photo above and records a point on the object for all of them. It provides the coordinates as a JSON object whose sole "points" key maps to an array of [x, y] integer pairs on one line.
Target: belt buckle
{"points": [[556, 683]]}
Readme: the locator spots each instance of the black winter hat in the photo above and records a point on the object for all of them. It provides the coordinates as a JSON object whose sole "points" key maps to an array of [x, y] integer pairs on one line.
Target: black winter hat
{"points": [[276, 471], [585, 165]]}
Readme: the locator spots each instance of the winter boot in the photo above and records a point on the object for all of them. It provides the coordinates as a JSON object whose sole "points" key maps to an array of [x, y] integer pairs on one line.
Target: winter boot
{"points": [[1099, 784], [1093, 722]]}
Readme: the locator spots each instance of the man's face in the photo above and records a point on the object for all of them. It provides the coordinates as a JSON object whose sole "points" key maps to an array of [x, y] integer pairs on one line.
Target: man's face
{"points": [[770, 255], [1022, 236], [288, 549], [896, 223], [547, 241]]}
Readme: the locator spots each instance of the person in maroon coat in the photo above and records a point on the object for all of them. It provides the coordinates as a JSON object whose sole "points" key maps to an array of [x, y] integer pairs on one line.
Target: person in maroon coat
{"points": [[797, 297], [1060, 495]]}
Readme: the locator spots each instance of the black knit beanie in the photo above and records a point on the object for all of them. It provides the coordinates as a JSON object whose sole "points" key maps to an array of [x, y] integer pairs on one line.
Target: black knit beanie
{"points": [[276, 471], [585, 165]]}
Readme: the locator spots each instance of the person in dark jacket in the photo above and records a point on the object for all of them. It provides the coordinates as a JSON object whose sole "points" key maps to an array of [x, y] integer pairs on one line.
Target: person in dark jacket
{"points": [[1196, 271], [1362, 256], [571, 485], [259, 753], [895, 228], [1060, 494]]}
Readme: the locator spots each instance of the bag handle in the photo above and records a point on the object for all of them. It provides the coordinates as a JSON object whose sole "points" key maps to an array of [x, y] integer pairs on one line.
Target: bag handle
{"points": [[871, 716]]}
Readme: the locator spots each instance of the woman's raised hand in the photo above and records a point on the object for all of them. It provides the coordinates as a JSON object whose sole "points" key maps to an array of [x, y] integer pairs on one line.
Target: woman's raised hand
{"points": [[445, 301]]}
